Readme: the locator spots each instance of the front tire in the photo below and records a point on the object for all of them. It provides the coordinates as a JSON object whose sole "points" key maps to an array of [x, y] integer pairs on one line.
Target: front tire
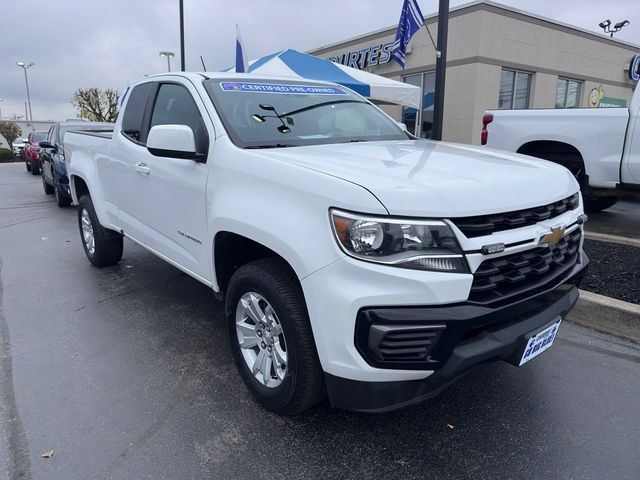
{"points": [[48, 189], [28, 166], [35, 170], [102, 246], [271, 337], [61, 198]]}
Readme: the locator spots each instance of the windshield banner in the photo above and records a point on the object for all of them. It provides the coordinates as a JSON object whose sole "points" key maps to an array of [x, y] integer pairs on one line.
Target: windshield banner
{"points": [[280, 88]]}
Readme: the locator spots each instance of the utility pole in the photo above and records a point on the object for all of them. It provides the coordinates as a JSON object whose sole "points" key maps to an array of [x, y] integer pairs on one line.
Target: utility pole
{"points": [[441, 69], [182, 35]]}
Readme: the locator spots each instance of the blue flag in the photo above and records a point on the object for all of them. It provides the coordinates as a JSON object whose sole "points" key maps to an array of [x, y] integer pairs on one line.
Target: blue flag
{"points": [[241, 59], [411, 19]]}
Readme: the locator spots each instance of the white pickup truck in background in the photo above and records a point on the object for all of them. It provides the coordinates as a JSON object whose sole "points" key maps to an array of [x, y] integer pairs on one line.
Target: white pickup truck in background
{"points": [[355, 261], [600, 146]]}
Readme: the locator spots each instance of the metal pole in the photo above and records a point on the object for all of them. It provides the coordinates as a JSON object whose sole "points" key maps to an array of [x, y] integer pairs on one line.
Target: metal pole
{"points": [[441, 69], [28, 95], [182, 35], [26, 117], [168, 63]]}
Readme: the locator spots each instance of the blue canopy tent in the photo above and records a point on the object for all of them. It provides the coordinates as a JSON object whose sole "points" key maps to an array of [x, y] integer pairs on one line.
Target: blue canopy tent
{"points": [[294, 64]]}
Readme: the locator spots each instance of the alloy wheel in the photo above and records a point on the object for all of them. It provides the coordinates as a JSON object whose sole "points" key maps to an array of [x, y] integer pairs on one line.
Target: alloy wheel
{"points": [[87, 232], [261, 339]]}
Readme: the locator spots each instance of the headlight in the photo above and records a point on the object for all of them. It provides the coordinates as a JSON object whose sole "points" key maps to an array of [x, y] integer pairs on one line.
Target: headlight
{"points": [[417, 244]]}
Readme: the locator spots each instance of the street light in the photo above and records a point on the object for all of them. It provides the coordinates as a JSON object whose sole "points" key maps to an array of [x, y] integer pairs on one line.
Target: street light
{"points": [[169, 56], [606, 26], [25, 67], [1, 100]]}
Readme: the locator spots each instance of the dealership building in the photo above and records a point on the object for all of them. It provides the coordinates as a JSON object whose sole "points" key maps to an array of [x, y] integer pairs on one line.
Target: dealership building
{"points": [[498, 57]]}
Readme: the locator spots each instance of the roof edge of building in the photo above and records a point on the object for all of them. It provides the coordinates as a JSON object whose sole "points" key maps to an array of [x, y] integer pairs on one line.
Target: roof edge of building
{"points": [[477, 4]]}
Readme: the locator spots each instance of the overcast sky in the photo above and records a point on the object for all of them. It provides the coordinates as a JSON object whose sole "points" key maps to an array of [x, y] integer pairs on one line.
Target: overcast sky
{"points": [[110, 43]]}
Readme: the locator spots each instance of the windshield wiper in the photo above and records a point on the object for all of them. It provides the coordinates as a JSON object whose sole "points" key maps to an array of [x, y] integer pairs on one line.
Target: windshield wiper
{"points": [[322, 104], [270, 145]]}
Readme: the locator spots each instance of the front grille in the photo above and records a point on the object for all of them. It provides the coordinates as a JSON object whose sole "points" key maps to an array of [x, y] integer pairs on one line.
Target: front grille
{"points": [[523, 274], [487, 224]]}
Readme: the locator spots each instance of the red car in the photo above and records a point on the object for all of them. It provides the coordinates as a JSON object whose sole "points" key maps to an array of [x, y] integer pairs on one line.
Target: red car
{"points": [[32, 151]]}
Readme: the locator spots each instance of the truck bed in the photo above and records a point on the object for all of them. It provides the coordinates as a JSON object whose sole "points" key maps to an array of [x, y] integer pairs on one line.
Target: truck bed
{"points": [[598, 134]]}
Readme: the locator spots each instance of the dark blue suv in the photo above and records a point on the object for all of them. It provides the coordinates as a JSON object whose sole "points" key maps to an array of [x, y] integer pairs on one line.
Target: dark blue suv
{"points": [[54, 171]]}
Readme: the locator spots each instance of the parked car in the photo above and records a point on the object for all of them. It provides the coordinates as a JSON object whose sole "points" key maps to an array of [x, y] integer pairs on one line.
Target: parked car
{"points": [[18, 147], [54, 171], [600, 146], [32, 151], [352, 258]]}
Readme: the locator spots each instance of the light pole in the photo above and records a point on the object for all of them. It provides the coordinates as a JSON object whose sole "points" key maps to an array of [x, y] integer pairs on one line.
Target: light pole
{"points": [[169, 56], [25, 67], [1, 100], [606, 26], [181, 6]]}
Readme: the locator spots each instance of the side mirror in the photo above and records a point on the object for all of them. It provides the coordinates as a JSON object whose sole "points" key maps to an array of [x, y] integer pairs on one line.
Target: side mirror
{"points": [[402, 126], [176, 141], [48, 145]]}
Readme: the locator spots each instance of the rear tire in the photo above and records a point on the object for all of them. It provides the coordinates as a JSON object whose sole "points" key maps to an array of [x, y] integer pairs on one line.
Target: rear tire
{"points": [[271, 282], [48, 189], [598, 204], [102, 246]]}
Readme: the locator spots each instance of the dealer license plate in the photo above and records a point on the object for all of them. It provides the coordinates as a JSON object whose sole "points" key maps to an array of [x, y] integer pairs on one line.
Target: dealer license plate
{"points": [[540, 342]]}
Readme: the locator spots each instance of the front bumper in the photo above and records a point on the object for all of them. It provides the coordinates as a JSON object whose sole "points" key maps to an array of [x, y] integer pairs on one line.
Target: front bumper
{"points": [[472, 335]]}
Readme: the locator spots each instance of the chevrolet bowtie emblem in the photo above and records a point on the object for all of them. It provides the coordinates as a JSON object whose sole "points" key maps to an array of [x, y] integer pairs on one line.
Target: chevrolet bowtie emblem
{"points": [[553, 236]]}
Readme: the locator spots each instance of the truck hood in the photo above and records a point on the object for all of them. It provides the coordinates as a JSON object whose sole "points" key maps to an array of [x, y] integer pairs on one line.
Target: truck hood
{"points": [[437, 179]]}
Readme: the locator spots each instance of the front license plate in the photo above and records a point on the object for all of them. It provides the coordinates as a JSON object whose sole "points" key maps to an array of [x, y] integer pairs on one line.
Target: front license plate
{"points": [[540, 342]]}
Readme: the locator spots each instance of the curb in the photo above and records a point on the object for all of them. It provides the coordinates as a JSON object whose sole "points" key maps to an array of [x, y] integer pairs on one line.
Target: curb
{"points": [[608, 315], [604, 237]]}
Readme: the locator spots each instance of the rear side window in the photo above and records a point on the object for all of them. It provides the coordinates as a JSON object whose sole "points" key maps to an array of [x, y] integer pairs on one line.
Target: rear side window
{"points": [[134, 111], [175, 106]]}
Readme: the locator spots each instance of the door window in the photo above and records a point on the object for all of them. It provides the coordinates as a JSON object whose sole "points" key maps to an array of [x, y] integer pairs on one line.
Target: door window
{"points": [[175, 106], [134, 112]]}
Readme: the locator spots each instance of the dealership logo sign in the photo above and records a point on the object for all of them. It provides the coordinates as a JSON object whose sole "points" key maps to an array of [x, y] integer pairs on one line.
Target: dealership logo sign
{"points": [[367, 57], [634, 66]]}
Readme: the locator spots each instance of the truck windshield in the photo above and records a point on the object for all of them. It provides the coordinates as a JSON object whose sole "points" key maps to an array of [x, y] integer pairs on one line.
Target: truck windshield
{"points": [[268, 114]]}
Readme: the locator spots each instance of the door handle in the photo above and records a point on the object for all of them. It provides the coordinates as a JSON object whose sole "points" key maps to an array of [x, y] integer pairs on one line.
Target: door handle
{"points": [[142, 168]]}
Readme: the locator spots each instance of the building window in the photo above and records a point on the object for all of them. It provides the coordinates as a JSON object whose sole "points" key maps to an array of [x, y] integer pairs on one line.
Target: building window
{"points": [[420, 121], [568, 93], [515, 87]]}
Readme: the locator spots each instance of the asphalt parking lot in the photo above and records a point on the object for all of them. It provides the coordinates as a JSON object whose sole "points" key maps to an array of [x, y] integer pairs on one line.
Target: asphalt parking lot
{"points": [[622, 219], [125, 373]]}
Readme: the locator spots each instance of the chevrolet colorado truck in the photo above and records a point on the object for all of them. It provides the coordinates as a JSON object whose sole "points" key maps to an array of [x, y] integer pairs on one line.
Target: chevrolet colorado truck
{"points": [[355, 261], [600, 146]]}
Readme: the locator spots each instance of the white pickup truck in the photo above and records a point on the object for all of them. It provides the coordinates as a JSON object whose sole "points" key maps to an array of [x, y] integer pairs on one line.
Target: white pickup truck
{"points": [[355, 261], [600, 146]]}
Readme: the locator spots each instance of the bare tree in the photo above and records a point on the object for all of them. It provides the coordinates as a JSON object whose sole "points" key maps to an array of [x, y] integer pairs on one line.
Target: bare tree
{"points": [[10, 131], [95, 104]]}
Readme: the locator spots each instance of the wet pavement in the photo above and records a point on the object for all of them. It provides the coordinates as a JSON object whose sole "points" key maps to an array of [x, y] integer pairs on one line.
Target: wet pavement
{"points": [[125, 373], [622, 219]]}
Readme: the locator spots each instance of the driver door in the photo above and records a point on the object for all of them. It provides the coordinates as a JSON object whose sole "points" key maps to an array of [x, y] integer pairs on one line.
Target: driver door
{"points": [[162, 199]]}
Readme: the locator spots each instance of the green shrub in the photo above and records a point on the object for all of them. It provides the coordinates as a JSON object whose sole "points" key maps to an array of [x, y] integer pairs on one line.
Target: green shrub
{"points": [[6, 155]]}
